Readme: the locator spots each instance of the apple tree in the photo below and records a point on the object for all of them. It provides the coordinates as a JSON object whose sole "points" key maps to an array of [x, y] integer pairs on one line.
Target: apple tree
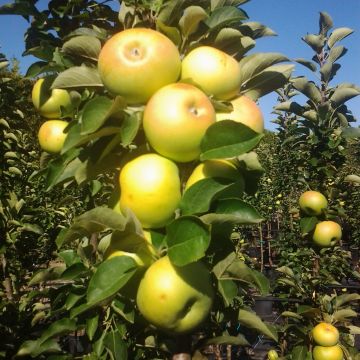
{"points": [[106, 255]]}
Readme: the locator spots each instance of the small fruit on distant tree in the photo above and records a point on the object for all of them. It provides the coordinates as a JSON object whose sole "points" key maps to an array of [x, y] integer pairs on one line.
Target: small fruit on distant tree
{"points": [[176, 119], [48, 102], [175, 299], [51, 135], [245, 111], [212, 70], [150, 187], [213, 168], [328, 353], [327, 233], [272, 355], [136, 62], [313, 203], [325, 334]]}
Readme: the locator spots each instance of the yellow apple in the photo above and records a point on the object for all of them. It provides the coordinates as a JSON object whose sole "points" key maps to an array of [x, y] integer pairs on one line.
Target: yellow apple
{"points": [[328, 353], [272, 355], [327, 233], [135, 63], [245, 111], [325, 334], [213, 168], [313, 203], [175, 299], [48, 102], [213, 71], [176, 119], [51, 135], [150, 187]]}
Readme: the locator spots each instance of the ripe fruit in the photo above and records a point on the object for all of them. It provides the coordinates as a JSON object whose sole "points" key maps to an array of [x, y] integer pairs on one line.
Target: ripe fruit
{"points": [[213, 71], [150, 187], [175, 299], [245, 111], [51, 135], [325, 334], [327, 233], [272, 355], [313, 203], [328, 353], [212, 168], [48, 101], [135, 63], [176, 119]]}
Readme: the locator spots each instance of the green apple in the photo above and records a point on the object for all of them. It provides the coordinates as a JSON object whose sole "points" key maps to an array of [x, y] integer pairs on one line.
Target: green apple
{"points": [[51, 135], [313, 203], [47, 101], [213, 168], [150, 187], [272, 355], [175, 299], [136, 62], [325, 334], [327, 233], [245, 111], [328, 353], [176, 119], [212, 70]]}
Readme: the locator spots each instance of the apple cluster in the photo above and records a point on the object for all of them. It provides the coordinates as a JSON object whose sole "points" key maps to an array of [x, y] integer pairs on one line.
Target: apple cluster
{"points": [[326, 342], [49, 103], [145, 68], [327, 232]]}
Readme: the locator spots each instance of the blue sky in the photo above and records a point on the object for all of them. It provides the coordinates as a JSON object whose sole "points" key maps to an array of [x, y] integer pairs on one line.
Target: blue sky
{"points": [[290, 19]]}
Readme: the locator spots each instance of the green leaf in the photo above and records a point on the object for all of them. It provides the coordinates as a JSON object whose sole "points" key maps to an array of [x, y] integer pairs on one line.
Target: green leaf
{"points": [[233, 42], [74, 272], [58, 328], [83, 46], [94, 114], [308, 88], [355, 330], [91, 326], [223, 16], [254, 64], [51, 273], [109, 278], [336, 53], [228, 290], [345, 298], [34, 348], [188, 239], [233, 211], [78, 77], [342, 95], [338, 34], [325, 23], [308, 224], [309, 64], [351, 133], [198, 198], [116, 345], [272, 78], [292, 315], [96, 220], [219, 3], [125, 311], [300, 352], [191, 19], [316, 42], [227, 139], [255, 30], [238, 340], [239, 271], [171, 32], [285, 270], [353, 178], [344, 314], [252, 321]]}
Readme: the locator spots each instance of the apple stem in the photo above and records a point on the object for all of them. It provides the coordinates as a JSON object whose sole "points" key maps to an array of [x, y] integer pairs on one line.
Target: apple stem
{"points": [[183, 348]]}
